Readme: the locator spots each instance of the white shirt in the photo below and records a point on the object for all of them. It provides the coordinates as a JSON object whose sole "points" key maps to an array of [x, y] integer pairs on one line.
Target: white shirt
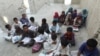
{"points": [[41, 37], [55, 28], [35, 24], [63, 51], [18, 24]]}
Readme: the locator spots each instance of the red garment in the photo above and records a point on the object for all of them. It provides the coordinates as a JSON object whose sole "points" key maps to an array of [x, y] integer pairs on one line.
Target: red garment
{"points": [[69, 35], [56, 15]]}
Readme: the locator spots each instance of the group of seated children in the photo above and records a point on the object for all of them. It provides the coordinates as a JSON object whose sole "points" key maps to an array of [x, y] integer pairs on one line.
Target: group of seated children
{"points": [[56, 47], [28, 33], [72, 17]]}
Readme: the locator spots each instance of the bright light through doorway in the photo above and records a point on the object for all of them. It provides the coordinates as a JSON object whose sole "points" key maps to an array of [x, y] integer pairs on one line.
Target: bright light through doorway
{"points": [[67, 2], [5, 19], [26, 3]]}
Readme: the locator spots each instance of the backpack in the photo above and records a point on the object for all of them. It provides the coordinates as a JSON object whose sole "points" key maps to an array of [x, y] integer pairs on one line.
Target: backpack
{"points": [[36, 47]]}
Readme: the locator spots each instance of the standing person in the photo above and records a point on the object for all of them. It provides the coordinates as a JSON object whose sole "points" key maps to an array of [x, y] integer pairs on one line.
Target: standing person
{"points": [[45, 26], [62, 17], [27, 37], [56, 16], [11, 32], [17, 23], [24, 20], [89, 48]]}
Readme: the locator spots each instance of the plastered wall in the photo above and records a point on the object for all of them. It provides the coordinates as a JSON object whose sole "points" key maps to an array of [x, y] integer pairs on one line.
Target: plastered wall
{"points": [[76, 1], [36, 5], [10, 9], [93, 20]]}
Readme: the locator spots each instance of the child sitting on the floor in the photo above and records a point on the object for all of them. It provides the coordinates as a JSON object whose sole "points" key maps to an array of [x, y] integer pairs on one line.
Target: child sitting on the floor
{"points": [[51, 43], [17, 36], [11, 31], [42, 36], [63, 48], [69, 36], [54, 37], [55, 27]]}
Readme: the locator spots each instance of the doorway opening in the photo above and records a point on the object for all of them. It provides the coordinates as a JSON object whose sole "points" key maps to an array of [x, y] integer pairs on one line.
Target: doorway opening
{"points": [[67, 2]]}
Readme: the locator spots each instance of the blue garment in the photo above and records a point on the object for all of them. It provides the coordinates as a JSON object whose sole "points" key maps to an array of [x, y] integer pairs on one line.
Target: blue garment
{"points": [[74, 15], [53, 28], [25, 21], [55, 19], [83, 49]]}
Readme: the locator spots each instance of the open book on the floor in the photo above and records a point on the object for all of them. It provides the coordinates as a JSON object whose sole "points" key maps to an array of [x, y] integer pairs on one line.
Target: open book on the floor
{"points": [[74, 53]]}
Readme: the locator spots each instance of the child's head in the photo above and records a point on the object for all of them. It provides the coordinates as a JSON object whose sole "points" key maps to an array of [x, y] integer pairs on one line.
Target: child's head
{"points": [[91, 44], [25, 28], [40, 30], [18, 30], [64, 42], [23, 15], [56, 13], [69, 29], [63, 12], [32, 19], [70, 9], [8, 26], [75, 11], [53, 36], [15, 20], [44, 20], [84, 11], [54, 23]]}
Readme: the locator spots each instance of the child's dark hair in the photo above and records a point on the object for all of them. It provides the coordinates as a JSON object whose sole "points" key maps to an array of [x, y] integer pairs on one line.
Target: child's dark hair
{"points": [[53, 35], [25, 26], [32, 19], [44, 20], [18, 30], [91, 43], [64, 42], [70, 29], [54, 22], [41, 30], [63, 11], [7, 26], [14, 18]]}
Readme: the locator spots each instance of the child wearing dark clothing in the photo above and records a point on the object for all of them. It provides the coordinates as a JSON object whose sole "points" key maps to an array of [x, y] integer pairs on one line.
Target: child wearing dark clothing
{"points": [[62, 17], [69, 35], [45, 26], [53, 37], [27, 37]]}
